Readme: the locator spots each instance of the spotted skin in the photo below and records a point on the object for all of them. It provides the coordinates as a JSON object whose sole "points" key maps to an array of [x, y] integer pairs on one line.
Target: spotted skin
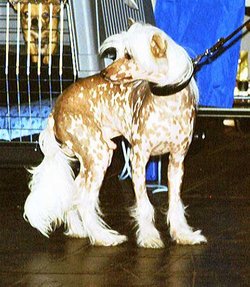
{"points": [[160, 125], [92, 111]]}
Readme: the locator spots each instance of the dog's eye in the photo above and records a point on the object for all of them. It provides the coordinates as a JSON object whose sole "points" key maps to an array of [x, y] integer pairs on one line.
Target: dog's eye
{"points": [[45, 15], [127, 56], [26, 14]]}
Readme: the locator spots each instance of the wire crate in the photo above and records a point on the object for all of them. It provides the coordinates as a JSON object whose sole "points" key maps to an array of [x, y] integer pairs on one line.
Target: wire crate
{"points": [[28, 90]]}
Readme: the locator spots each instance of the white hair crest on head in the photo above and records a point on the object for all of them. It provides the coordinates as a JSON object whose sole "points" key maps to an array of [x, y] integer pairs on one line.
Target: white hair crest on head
{"points": [[117, 42], [175, 68]]}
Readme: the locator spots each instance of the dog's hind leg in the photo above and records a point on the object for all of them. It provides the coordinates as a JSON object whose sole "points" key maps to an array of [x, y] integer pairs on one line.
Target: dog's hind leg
{"points": [[180, 231], [94, 159], [73, 223], [143, 212]]}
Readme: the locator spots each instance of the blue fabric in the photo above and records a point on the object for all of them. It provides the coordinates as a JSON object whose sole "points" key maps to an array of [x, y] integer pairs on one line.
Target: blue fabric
{"points": [[24, 120], [197, 25]]}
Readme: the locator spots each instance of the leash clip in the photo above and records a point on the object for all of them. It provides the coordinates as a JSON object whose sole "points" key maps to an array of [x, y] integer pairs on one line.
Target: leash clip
{"points": [[218, 45]]}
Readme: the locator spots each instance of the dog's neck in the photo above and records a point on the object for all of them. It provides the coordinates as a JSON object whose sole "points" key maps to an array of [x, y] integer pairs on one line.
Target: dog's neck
{"points": [[168, 90], [179, 80]]}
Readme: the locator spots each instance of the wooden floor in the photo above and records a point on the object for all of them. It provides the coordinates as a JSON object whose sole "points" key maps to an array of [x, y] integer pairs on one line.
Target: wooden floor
{"points": [[217, 191]]}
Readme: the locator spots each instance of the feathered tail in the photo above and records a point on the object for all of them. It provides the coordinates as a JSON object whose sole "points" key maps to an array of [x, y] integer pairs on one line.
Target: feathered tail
{"points": [[52, 185]]}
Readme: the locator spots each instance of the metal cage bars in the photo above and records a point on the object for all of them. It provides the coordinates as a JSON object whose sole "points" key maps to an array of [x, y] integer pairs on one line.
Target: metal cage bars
{"points": [[32, 96]]}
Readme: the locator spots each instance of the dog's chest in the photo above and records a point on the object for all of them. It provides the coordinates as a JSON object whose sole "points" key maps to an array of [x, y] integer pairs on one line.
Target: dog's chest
{"points": [[165, 123]]}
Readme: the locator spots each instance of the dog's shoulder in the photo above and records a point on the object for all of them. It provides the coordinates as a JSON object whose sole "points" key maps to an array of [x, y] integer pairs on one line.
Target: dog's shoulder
{"points": [[141, 93]]}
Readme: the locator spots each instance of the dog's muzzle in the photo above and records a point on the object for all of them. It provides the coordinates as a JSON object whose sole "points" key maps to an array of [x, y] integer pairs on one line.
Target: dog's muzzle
{"points": [[103, 74]]}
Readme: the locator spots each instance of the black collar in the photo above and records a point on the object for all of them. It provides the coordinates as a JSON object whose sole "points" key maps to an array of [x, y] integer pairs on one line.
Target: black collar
{"points": [[168, 90]]}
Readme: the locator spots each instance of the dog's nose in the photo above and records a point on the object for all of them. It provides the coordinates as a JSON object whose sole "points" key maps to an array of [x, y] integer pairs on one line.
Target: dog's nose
{"points": [[34, 22], [103, 73]]}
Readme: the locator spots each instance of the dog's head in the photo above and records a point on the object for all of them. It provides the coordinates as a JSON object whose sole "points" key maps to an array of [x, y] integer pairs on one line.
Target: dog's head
{"points": [[145, 52], [36, 12], [126, 68], [39, 16]]}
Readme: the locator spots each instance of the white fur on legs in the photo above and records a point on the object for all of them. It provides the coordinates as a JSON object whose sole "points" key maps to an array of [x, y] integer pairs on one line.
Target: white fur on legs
{"points": [[180, 231], [52, 185], [88, 182], [74, 225], [98, 231], [84, 220], [147, 235]]}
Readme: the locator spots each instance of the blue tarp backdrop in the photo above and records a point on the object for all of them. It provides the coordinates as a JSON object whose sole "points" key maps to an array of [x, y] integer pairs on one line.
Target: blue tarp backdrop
{"points": [[197, 25]]}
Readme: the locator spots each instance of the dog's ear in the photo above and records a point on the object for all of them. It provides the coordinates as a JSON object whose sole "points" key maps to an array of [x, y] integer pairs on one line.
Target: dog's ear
{"points": [[158, 46], [14, 3], [131, 21], [56, 4]]}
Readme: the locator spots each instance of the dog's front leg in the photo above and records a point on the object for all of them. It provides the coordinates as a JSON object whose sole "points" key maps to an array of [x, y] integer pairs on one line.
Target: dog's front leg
{"points": [[143, 212], [33, 52], [180, 231], [49, 52]]}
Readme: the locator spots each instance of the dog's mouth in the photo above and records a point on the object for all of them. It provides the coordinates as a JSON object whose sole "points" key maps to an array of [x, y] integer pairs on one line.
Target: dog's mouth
{"points": [[105, 75], [115, 79], [44, 42]]}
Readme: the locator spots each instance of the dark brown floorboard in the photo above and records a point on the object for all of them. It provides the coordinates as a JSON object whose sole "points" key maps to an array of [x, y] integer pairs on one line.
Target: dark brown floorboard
{"points": [[217, 191]]}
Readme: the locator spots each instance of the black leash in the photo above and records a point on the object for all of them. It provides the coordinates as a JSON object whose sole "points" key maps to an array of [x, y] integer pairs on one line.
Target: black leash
{"points": [[168, 90], [220, 43]]}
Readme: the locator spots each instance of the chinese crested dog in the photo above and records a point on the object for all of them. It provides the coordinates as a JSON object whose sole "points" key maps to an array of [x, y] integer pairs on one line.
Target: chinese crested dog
{"points": [[147, 95]]}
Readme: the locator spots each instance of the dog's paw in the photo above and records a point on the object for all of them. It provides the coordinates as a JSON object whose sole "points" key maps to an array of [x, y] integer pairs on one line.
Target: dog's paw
{"points": [[149, 238], [79, 234], [108, 239], [46, 60], [189, 237], [34, 58], [73, 224], [150, 243]]}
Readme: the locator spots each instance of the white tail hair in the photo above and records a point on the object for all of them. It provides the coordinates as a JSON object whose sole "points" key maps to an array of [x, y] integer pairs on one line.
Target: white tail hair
{"points": [[52, 185]]}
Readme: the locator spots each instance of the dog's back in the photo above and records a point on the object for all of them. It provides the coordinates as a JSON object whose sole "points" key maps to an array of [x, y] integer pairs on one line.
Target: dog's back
{"points": [[94, 104]]}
